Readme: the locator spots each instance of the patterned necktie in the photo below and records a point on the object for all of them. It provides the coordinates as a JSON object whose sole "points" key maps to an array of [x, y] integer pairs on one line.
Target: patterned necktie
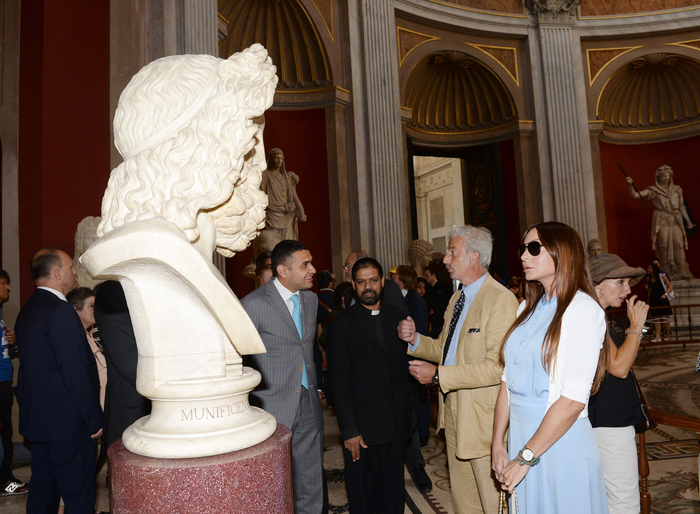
{"points": [[453, 324], [296, 316]]}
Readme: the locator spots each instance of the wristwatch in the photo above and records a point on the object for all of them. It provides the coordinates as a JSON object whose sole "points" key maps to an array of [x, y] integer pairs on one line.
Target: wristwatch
{"points": [[436, 377], [527, 456]]}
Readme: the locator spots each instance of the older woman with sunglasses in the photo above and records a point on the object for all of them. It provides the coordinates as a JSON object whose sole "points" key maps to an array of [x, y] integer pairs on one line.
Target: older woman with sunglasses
{"points": [[551, 355], [616, 408]]}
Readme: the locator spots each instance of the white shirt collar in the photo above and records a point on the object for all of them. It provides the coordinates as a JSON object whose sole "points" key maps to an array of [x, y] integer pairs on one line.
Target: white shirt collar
{"points": [[285, 293], [57, 293]]}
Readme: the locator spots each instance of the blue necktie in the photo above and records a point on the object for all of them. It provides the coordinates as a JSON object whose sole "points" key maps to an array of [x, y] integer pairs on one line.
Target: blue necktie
{"points": [[459, 306], [296, 316]]}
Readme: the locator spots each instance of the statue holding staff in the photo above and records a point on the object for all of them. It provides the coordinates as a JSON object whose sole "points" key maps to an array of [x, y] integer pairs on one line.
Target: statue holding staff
{"points": [[668, 235]]}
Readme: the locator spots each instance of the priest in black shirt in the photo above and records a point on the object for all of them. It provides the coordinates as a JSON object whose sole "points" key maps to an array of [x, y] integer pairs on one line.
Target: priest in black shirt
{"points": [[369, 376]]}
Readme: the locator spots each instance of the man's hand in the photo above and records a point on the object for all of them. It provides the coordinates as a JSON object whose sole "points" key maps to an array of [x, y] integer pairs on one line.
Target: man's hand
{"points": [[422, 371], [97, 434], [10, 336], [407, 330], [353, 446]]}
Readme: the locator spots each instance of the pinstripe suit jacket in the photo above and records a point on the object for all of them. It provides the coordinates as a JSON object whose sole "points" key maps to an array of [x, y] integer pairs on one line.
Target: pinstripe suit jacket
{"points": [[280, 389]]}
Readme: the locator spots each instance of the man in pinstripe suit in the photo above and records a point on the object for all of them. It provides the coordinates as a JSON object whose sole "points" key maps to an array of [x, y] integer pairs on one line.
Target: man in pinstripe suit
{"points": [[284, 313]]}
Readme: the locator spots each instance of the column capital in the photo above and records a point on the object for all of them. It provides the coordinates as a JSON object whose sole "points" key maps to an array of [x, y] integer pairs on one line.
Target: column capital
{"points": [[553, 11]]}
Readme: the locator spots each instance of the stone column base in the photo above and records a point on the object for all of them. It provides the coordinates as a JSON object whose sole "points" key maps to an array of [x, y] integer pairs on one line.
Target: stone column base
{"points": [[254, 480]]}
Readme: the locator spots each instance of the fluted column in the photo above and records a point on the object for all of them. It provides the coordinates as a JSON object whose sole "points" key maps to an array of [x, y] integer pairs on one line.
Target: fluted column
{"points": [[567, 145], [201, 27], [379, 125]]}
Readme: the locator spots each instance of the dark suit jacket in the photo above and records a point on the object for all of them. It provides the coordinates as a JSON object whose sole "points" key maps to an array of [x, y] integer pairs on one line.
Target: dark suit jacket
{"points": [[418, 310], [369, 381], [280, 367], [123, 403], [58, 390]]}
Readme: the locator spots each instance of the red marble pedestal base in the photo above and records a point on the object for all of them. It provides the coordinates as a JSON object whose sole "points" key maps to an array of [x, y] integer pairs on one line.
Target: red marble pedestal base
{"points": [[254, 480]]}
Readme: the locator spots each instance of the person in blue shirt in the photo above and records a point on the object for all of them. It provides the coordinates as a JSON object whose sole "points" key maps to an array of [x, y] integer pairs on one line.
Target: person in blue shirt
{"points": [[9, 485]]}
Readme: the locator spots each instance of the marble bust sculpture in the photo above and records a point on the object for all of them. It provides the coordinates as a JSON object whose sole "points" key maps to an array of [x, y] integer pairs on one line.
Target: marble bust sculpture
{"points": [[668, 237], [595, 247], [190, 130], [284, 208], [420, 253], [85, 235]]}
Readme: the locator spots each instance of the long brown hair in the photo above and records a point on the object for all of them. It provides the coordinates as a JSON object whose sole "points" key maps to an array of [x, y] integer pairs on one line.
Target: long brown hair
{"points": [[572, 274]]}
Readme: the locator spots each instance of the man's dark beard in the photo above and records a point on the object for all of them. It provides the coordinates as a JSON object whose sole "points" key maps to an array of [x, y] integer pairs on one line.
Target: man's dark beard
{"points": [[370, 300]]}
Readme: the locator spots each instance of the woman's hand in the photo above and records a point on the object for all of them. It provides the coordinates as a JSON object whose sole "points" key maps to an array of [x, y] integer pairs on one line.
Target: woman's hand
{"points": [[512, 475], [499, 458], [637, 313]]}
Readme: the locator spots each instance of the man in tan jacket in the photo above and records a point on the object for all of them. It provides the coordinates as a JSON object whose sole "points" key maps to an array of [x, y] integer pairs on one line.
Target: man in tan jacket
{"points": [[469, 373]]}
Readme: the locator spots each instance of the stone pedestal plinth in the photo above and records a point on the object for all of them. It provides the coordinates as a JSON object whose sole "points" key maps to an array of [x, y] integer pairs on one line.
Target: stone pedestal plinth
{"points": [[255, 480], [687, 293]]}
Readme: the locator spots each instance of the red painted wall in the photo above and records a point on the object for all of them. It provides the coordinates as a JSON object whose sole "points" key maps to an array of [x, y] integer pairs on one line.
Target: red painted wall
{"points": [[302, 137], [63, 122], [628, 221]]}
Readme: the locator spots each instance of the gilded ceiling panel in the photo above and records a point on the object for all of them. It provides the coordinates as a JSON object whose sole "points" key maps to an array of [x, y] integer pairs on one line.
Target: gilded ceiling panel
{"points": [[599, 59], [506, 57], [408, 40], [325, 9], [496, 6], [627, 7]]}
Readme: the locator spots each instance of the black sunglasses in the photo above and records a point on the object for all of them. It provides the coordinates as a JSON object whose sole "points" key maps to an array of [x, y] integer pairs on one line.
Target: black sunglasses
{"points": [[533, 247]]}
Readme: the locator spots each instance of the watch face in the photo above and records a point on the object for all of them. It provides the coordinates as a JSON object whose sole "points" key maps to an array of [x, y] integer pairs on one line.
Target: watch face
{"points": [[528, 455]]}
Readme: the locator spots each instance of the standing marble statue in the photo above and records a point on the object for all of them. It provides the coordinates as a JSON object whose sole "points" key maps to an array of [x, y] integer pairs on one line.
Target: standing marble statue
{"points": [[668, 237], [189, 127], [85, 235], [284, 207]]}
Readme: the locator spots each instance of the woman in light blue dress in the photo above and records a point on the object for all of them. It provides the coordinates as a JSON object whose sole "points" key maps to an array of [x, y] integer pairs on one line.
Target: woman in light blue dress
{"points": [[551, 356]]}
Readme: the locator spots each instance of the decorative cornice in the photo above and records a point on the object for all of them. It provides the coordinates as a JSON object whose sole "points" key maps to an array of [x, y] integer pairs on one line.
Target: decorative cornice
{"points": [[522, 128], [311, 99], [435, 179], [652, 135], [406, 114]]}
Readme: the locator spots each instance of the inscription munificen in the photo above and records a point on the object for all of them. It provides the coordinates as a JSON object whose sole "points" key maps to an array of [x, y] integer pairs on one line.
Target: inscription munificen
{"points": [[221, 411]]}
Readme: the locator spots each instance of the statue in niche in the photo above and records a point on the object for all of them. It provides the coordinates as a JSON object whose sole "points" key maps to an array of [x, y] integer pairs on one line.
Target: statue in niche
{"points": [[420, 253], [284, 208], [189, 127], [85, 235], [595, 247], [668, 236]]}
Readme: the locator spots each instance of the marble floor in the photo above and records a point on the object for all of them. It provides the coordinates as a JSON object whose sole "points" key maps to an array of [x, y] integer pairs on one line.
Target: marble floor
{"points": [[670, 385]]}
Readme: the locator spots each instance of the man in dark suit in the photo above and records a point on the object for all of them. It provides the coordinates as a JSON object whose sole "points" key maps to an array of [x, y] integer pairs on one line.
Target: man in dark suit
{"points": [[284, 313], [57, 391], [123, 403], [439, 294], [371, 390]]}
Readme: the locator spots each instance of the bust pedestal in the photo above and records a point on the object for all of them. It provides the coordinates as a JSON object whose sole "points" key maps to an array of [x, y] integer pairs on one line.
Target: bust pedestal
{"points": [[255, 480]]}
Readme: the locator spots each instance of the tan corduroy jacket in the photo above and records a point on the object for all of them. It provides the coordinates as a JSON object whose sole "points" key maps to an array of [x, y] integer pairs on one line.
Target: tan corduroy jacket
{"points": [[476, 375]]}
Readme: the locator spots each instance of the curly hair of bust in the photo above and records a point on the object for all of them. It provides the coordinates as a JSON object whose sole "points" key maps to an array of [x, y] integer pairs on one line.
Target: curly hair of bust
{"points": [[195, 168], [418, 248]]}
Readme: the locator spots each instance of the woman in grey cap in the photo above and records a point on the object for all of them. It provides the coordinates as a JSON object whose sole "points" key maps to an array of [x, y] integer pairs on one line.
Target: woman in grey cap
{"points": [[616, 408]]}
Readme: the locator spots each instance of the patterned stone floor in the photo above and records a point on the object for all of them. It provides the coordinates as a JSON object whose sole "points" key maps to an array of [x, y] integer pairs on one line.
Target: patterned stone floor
{"points": [[670, 385]]}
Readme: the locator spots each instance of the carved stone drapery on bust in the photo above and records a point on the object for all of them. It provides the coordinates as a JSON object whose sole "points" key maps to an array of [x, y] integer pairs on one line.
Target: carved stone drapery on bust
{"points": [[190, 130], [553, 10]]}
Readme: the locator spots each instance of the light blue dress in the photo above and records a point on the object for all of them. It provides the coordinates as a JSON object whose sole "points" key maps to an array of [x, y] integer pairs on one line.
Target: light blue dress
{"points": [[569, 476]]}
